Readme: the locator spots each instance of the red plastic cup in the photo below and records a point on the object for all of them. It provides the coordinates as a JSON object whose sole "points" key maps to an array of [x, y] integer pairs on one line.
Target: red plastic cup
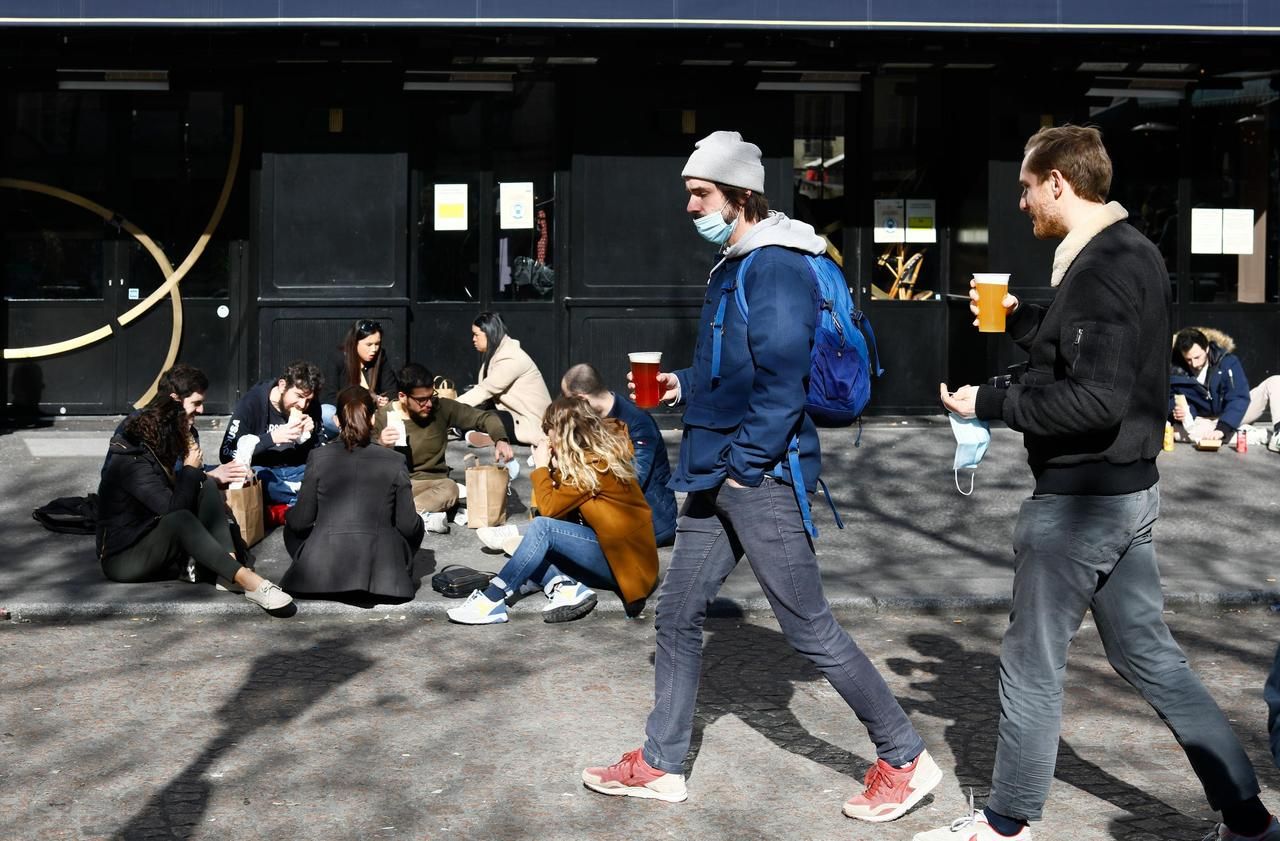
{"points": [[644, 373]]}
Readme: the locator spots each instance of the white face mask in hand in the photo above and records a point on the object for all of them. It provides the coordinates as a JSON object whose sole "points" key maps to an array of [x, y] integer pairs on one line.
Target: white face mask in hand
{"points": [[972, 437]]}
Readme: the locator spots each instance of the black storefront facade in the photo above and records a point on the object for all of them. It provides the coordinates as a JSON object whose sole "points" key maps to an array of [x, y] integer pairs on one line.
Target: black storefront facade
{"points": [[306, 169]]}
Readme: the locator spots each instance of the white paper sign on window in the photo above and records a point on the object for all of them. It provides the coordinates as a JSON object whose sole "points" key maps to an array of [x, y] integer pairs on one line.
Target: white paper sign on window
{"points": [[1206, 230], [451, 207], [1237, 231], [890, 218], [922, 225], [515, 202]]}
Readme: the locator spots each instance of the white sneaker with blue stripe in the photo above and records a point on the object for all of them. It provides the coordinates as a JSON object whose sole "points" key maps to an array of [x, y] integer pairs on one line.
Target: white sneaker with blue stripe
{"points": [[478, 610]]}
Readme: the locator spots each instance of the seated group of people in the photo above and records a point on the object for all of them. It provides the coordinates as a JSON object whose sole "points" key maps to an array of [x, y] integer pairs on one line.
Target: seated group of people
{"points": [[1209, 394], [357, 479]]}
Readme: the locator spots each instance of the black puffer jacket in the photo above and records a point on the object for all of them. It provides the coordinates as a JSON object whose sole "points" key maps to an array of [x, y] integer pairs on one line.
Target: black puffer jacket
{"points": [[136, 491]]}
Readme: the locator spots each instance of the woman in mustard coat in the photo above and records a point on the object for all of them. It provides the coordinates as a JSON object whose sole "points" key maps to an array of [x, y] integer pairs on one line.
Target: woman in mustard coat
{"points": [[583, 470]]}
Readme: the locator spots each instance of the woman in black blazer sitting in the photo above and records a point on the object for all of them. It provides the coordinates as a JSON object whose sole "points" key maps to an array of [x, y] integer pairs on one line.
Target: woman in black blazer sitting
{"points": [[355, 528]]}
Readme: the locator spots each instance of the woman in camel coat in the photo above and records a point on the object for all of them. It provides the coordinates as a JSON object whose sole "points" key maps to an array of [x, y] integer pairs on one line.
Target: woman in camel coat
{"points": [[509, 381]]}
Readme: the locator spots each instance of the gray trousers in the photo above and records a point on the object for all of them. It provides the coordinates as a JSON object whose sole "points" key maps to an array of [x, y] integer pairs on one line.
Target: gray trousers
{"points": [[1078, 553], [715, 528]]}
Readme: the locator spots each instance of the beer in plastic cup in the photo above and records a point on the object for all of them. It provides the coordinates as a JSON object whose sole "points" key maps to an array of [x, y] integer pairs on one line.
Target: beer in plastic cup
{"points": [[644, 373], [991, 291]]}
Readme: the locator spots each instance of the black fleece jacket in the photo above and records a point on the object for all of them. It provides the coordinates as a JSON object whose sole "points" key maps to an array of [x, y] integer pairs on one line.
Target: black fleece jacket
{"points": [[136, 491], [1092, 403]]}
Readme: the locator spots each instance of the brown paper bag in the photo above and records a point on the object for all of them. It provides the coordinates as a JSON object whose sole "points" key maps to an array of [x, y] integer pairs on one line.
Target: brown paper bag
{"points": [[245, 505], [446, 388], [486, 493]]}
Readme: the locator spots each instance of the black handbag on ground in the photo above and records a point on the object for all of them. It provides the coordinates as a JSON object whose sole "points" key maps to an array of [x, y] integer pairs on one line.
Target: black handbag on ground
{"points": [[456, 581]]}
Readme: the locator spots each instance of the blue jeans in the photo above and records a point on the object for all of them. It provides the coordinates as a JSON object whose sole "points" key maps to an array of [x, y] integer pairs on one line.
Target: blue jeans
{"points": [[714, 530], [1078, 553], [274, 489], [328, 427], [554, 548]]}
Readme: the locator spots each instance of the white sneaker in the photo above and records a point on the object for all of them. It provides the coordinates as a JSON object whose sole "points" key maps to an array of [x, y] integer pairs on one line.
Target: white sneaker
{"points": [[268, 596], [1221, 833], [972, 828], [460, 517], [511, 544], [226, 585], [437, 522], [569, 600], [478, 610], [494, 536]]}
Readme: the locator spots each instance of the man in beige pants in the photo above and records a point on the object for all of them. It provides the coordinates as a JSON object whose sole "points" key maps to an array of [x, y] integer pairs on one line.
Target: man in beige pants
{"points": [[417, 424]]}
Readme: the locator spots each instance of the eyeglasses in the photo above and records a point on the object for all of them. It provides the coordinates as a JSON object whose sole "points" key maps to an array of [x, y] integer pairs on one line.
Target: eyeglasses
{"points": [[423, 400], [368, 327]]}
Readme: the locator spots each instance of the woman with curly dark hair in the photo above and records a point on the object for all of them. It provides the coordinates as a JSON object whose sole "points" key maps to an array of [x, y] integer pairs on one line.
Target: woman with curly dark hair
{"points": [[157, 509], [355, 528]]}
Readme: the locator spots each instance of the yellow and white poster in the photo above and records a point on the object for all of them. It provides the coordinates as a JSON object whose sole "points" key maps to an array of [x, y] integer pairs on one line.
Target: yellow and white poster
{"points": [[451, 207]]}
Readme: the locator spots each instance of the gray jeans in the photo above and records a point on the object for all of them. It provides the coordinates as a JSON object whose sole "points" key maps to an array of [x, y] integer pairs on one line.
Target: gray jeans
{"points": [[714, 530], [1072, 554]]}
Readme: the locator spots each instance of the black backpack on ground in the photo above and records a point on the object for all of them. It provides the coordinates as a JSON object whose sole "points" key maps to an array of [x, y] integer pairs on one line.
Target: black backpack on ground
{"points": [[69, 514]]}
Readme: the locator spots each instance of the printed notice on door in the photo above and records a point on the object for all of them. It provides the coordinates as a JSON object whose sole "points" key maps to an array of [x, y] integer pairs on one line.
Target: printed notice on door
{"points": [[451, 207], [515, 202]]}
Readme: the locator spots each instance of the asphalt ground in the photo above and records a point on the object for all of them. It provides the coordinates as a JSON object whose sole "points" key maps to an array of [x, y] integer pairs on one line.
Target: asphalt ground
{"points": [[911, 540], [402, 726]]}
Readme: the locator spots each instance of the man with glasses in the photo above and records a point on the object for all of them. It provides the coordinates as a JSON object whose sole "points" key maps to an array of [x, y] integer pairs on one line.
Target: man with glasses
{"points": [[426, 419]]}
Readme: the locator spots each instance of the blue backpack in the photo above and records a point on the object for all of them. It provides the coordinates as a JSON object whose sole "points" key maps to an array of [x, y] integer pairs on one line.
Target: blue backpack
{"points": [[843, 358]]}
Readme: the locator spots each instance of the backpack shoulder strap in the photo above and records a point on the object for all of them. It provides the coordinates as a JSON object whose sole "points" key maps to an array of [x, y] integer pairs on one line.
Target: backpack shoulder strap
{"points": [[740, 291], [732, 285]]}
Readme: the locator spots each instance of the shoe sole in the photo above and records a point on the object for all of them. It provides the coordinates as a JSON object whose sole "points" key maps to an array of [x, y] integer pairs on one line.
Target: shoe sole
{"points": [[619, 790], [495, 547], [495, 620], [571, 612], [916, 796]]}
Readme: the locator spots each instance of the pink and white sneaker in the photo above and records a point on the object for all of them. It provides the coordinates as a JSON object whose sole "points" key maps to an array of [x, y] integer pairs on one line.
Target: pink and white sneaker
{"points": [[631, 776], [889, 792]]}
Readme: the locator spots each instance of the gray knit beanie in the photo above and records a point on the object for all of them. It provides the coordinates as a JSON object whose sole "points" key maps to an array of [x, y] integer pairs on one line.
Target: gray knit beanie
{"points": [[724, 157]]}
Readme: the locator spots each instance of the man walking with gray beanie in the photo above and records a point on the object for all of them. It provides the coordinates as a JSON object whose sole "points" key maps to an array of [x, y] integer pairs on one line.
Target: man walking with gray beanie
{"points": [[741, 414]]}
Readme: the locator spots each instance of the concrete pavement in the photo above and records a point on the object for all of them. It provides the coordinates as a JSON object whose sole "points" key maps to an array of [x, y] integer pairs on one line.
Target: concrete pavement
{"points": [[911, 540], [402, 726]]}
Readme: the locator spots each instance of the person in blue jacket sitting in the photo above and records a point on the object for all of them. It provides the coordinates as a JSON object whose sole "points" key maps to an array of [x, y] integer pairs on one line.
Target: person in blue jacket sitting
{"points": [[1211, 379]]}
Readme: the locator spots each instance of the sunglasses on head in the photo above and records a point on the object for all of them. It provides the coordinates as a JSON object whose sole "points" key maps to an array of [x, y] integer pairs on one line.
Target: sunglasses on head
{"points": [[368, 327]]}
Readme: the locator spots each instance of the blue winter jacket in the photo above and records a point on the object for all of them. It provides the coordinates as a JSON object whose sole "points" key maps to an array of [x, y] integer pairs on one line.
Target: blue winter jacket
{"points": [[653, 469], [1224, 395], [739, 428]]}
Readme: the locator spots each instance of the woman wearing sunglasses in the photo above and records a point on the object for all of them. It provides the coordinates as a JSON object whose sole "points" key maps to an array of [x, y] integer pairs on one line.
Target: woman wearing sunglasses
{"points": [[361, 361]]}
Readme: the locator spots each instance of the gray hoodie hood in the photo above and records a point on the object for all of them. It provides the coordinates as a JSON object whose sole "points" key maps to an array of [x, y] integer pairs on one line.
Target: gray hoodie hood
{"points": [[778, 229]]}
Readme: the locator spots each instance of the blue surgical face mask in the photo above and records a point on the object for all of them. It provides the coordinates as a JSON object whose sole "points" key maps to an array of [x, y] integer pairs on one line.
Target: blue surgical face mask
{"points": [[972, 437], [713, 228]]}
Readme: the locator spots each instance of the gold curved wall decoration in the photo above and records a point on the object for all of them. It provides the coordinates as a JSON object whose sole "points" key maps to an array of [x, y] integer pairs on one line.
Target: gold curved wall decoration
{"points": [[172, 276]]}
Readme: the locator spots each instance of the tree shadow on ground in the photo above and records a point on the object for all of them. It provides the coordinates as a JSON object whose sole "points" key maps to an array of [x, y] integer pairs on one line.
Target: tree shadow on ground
{"points": [[963, 689], [280, 686], [751, 672]]}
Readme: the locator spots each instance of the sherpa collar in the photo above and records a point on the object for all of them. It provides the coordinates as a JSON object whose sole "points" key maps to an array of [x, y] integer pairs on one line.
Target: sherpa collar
{"points": [[1080, 235]]}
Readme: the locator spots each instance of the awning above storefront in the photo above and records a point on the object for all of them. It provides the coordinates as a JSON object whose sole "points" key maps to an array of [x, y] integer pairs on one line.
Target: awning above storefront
{"points": [[1225, 17]]}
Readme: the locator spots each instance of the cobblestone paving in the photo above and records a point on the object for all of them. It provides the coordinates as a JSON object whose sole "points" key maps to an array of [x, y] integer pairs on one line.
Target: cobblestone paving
{"points": [[382, 727]]}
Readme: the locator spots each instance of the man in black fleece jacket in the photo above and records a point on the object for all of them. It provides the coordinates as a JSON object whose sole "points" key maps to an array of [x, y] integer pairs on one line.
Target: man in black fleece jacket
{"points": [[1091, 408]]}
